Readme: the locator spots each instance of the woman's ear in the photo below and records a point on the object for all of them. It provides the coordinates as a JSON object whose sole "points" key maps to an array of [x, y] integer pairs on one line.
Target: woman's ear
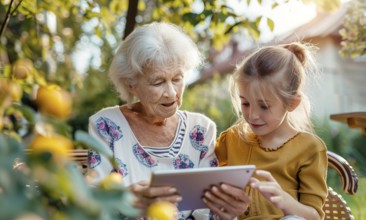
{"points": [[129, 85], [294, 103]]}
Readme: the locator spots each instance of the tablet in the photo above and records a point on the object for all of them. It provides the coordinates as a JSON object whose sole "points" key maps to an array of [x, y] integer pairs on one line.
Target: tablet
{"points": [[191, 183]]}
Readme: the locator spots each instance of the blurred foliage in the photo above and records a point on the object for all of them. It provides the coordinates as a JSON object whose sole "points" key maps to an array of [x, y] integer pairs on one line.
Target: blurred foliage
{"points": [[46, 185], [353, 32], [350, 144], [213, 100]]}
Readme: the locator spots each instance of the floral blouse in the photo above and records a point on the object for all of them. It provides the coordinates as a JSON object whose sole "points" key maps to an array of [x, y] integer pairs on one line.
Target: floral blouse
{"points": [[193, 146]]}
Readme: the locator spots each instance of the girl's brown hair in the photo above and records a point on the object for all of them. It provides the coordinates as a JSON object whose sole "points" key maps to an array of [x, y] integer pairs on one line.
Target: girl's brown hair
{"points": [[281, 69]]}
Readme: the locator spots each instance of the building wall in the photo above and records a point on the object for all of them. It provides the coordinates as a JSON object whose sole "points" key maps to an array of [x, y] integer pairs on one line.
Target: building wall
{"points": [[341, 86]]}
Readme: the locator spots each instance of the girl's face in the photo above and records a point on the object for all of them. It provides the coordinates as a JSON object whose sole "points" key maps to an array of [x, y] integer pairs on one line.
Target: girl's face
{"points": [[159, 93], [264, 113]]}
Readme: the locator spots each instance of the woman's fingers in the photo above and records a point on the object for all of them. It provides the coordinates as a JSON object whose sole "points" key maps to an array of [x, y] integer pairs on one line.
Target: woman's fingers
{"points": [[234, 192], [146, 195], [226, 201], [220, 212]]}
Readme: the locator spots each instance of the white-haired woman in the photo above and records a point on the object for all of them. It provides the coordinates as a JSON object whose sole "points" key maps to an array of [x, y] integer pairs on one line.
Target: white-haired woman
{"points": [[150, 132]]}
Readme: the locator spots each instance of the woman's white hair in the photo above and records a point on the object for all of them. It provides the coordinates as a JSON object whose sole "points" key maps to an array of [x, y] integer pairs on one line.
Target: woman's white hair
{"points": [[155, 46]]}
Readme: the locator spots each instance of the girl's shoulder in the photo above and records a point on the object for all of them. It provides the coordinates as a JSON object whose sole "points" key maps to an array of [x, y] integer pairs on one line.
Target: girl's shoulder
{"points": [[311, 139], [231, 133]]}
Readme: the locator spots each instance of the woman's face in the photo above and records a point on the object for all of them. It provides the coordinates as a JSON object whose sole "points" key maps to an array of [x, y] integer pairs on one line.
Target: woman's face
{"points": [[160, 92]]}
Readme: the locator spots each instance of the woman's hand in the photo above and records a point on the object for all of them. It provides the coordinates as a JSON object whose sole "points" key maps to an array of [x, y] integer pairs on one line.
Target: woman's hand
{"points": [[145, 195], [226, 201]]}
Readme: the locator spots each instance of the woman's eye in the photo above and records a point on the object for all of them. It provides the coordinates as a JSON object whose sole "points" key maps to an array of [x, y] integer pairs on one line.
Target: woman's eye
{"points": [[157, 83], [245, 104], [264, 107]]}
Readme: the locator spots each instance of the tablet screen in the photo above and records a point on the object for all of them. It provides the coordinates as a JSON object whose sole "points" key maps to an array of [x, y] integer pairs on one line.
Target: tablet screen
{"points": [[191, 183]]}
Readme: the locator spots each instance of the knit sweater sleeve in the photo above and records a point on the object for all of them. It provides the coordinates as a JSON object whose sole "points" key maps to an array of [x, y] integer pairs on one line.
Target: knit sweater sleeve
{"points": [[313, 188], [221, 149]]}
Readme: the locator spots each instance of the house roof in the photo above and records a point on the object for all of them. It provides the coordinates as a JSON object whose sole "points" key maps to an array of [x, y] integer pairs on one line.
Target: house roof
{"points": [[323, 25]]}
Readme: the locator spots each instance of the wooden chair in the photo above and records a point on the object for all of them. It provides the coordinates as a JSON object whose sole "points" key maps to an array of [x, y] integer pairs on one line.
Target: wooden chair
{"points": [[335, 206], [80, 156]]}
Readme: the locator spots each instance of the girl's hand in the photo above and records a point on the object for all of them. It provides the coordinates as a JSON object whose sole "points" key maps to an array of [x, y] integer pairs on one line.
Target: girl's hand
{"points": [[271, 190], [227, 202], [145, 195]]}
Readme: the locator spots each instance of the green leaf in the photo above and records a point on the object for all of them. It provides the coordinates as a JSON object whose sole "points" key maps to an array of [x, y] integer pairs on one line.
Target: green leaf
{"points": [[28, 112], [270, 24], [93, 143], [117, 200]]}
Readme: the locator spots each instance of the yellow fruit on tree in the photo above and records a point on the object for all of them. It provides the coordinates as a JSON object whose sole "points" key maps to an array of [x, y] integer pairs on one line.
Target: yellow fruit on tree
{"points": [[15, 91], [59, 146], [53, 100], [162, 210], [22, 68], [112, 181]]}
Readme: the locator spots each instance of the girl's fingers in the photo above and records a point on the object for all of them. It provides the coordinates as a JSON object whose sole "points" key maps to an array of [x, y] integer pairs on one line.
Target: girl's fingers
{"points": [[266, 175]]}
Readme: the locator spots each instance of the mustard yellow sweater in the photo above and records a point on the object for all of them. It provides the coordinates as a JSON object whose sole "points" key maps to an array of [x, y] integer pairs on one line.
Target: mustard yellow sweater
{"points": [[299, 166]]}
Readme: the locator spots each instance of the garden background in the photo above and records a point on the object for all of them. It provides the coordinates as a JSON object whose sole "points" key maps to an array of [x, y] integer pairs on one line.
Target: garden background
{"points": [[71, 43]]}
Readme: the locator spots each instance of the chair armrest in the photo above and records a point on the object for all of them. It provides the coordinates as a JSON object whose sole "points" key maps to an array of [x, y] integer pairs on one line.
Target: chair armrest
{"points": [[346, 171]]}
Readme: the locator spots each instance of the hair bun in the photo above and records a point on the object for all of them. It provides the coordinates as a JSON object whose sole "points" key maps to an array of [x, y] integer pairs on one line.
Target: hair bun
{"points": [[298, 50]]}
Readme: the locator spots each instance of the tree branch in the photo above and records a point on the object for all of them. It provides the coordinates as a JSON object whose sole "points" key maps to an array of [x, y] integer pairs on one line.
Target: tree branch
{"points": [[6, 21], [131, 17]]}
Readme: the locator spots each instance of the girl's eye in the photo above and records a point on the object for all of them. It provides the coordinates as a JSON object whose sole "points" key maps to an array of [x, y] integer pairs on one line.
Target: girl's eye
{"points": [[246, 104], [177, 79], [264, 107]]}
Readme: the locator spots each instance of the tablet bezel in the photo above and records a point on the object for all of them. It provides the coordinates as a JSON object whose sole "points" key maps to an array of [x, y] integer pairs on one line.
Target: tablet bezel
{"points": [[191, 183]]}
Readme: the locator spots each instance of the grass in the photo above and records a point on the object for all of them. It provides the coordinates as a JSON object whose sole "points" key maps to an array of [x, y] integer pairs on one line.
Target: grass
{"points": [[357, 202]]}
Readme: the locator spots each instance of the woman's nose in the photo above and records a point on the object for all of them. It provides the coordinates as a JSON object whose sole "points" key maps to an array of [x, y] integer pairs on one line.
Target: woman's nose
{"points": [[170, 90]]}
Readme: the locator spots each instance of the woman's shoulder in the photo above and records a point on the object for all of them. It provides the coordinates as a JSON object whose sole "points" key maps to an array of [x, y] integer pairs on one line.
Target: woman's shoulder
{"points": [[105, 112], [197, 117]]}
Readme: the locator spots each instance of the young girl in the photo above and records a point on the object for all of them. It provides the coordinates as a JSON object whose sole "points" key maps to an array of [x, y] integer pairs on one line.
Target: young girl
{"points": [[275, 134]]}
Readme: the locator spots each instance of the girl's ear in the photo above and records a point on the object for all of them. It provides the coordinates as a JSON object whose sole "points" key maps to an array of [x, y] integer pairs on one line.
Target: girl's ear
{"points": [[294, 103]]}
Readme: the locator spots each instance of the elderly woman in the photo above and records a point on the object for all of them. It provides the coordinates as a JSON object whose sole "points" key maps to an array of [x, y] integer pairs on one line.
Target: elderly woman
{"points": [[150, 132]]}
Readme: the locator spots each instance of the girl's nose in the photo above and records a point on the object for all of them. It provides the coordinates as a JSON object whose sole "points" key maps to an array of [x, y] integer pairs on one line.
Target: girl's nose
{"points": [[253, 113]]}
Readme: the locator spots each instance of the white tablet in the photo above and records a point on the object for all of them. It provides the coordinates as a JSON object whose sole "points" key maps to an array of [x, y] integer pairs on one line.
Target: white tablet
{"points": [[191, 183]]}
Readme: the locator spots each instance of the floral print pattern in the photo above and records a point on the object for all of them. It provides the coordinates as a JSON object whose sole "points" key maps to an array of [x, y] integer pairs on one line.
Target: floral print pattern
{"points": [[204, 151], [122, 168], [94, 159], [143, 157], [196, 136], [108, 130], [214, 162], [183, 162]]}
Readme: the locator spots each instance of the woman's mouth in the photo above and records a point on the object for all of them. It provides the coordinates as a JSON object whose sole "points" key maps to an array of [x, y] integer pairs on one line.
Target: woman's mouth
{"points": [[168, 104]]}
